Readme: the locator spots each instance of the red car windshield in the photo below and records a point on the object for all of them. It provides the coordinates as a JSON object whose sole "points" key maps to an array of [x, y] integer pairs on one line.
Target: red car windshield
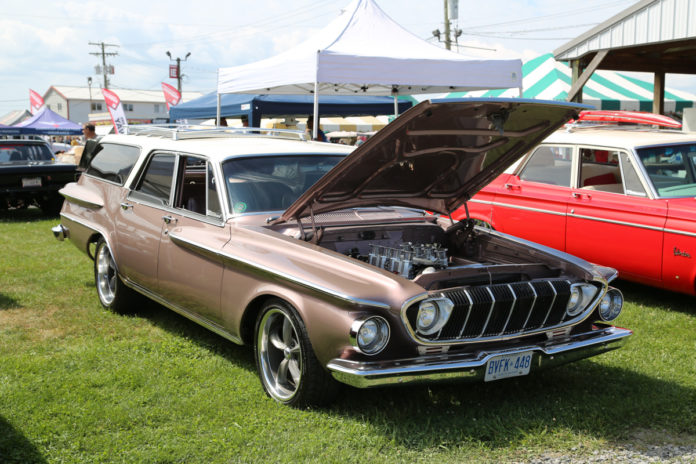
{"points": [[671, 169]]}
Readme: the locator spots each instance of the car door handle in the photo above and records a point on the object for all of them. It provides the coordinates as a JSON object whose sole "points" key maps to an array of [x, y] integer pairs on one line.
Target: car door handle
{"points": [[513, 187], [125, 206], [169, 219], [579, 195]]}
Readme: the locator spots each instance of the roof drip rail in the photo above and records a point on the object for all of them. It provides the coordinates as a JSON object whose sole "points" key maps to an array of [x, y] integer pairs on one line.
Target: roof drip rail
{"points": [[190, 131]]}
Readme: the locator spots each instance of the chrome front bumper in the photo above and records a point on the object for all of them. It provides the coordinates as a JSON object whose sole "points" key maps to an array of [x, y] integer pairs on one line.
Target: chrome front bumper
{"points": [[472, 366]]}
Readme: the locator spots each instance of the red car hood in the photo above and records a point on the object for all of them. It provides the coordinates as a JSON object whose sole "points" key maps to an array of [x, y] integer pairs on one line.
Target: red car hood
{"points": [[435, 156]]}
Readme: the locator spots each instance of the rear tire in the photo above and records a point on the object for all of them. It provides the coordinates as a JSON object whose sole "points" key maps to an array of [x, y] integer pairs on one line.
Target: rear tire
{"points": [[289, 370], [113, 293]]}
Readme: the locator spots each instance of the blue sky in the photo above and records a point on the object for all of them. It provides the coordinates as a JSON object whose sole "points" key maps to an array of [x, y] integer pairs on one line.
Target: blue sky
{"points": [[46, 42]]}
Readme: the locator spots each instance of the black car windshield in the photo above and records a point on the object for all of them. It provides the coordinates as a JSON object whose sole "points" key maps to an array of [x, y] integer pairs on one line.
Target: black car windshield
{"points": [[22, 153], [671, 169], [272, 183]]}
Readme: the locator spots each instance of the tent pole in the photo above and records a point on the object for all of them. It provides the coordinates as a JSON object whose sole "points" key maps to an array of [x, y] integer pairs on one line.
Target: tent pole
{"points": [[396, 106], [315, 129], [217, 117]]}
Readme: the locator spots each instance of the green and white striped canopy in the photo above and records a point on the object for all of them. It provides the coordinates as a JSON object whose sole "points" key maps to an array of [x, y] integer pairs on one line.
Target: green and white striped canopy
{"points": [[547, 79]]}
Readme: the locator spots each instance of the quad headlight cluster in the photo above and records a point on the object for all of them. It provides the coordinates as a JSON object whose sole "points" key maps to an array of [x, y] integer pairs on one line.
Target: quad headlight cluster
{"points": [[370, 335], [433, 314]]}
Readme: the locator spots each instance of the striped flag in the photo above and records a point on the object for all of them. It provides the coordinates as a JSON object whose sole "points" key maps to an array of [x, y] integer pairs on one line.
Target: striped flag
{"points": [[118, 117], [35, 101], [171, 95]]}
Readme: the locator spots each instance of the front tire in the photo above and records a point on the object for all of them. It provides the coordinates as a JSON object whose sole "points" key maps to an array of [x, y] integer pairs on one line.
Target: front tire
{"points": [[289, 370], [113, 294]]}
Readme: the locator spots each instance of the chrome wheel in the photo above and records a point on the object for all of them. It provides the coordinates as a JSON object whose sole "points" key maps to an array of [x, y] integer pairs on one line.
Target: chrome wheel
{"points": [[279, 354], [105, 274]]}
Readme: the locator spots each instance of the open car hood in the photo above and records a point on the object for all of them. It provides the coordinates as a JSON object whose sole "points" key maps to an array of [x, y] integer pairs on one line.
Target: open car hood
{"points": [[435, 156]]}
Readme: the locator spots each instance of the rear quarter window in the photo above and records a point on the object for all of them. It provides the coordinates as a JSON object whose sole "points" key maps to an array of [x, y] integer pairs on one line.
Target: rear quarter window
{"points": [[113, 162]]}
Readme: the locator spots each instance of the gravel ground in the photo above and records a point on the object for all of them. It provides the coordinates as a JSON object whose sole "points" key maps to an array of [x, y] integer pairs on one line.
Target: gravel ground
{"points": [[672, 454]]}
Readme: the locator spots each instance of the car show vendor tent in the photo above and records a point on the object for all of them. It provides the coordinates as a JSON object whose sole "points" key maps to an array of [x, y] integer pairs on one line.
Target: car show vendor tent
{"points": [[258, 106], [364, 52], [48, 122], [545, 78], [12, 130]]}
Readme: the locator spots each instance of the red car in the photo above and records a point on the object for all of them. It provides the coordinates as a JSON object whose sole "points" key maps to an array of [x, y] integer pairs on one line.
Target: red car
{"points": [[617, 196]]}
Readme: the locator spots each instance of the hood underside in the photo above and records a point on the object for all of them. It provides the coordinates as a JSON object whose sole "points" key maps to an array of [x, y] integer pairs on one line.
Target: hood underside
{"points": [[435, 156]]}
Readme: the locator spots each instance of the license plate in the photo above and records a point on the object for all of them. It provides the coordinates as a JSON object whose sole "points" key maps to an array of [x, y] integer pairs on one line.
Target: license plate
{"points": [[31, 182], [512, 365]]}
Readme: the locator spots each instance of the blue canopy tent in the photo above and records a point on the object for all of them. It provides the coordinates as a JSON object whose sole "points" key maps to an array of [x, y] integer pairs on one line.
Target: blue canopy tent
{"points": [[11, 130], [256, 106], [49, 122]]}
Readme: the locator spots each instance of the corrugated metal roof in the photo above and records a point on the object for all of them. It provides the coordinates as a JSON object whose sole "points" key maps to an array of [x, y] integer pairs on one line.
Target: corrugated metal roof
{"points": [[126, 95], [646, 22]]}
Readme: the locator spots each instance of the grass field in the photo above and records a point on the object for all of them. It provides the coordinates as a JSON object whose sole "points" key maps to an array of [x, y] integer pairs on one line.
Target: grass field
{"points": [[81, 384]]}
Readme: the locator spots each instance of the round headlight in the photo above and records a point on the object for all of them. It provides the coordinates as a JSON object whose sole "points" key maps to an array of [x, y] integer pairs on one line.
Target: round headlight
{"points": [[581, 296], [427, 316], [611, 304], [370, 335], [433, 314]]}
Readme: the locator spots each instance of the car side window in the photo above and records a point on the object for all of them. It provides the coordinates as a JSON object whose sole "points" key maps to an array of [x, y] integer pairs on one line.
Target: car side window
{"points": [[632, 183], [156, 182], [549, 165], [113, 162], [599, 170], [196, 190]]}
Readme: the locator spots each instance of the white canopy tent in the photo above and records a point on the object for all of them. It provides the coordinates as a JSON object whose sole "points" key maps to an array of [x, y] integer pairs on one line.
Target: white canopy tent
{"points": [[364, 52]]}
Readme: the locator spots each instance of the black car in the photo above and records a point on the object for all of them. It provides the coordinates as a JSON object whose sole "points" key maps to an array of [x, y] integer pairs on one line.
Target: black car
{"points": [[30, 175]]}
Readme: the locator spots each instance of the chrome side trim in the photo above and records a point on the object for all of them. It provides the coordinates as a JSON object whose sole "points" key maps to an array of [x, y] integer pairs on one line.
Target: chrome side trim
{"points": [[621, 223], [679, 232], [226, 257], [528, 208], [590, 218], [208, 324], [472, 366]]}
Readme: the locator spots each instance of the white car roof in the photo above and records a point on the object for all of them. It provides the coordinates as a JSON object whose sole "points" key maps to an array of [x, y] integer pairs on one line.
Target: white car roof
{"points": [[220, 148], [613, 136]]}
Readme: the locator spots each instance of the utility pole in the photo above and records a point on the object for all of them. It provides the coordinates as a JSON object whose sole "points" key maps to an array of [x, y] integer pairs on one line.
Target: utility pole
{"points": [[103, 53], [451, 11], [178, 75], [448, 41]]}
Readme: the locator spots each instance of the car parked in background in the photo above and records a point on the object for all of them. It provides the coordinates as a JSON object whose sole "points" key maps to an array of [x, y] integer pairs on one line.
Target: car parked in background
{"points": [[30, 175], [620, 196], [325, 260]]}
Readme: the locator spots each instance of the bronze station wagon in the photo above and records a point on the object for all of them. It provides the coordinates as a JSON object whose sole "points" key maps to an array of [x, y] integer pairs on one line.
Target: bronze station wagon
{"points": [[342, 267]]}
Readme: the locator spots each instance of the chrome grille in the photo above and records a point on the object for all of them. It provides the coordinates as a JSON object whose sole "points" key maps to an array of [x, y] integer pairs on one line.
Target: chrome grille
{"points": [[490, 311]]}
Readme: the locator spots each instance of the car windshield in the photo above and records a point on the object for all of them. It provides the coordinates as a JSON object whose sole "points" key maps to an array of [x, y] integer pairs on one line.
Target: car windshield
{"points": [[272, 183], [671, 169], [21, 153]]}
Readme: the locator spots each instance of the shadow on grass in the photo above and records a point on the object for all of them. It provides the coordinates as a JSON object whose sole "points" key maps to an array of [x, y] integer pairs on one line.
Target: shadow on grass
{"points": [[583, 398], [651, 296], [172, 322], [30, 214], [15, 448], [7, 302]]}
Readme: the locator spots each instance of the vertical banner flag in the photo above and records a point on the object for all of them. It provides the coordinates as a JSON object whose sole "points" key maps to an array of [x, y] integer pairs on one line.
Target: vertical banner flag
{"points": [[171, 95], [35, 101], [118, 117]]}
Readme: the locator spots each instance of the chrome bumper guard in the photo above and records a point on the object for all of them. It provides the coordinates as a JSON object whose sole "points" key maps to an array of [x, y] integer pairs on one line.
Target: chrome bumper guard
{"points": [[472, 366]]}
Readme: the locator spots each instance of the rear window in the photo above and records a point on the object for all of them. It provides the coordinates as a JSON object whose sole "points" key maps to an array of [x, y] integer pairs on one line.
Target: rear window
{"points": [[17, 152], [113, 162]]}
